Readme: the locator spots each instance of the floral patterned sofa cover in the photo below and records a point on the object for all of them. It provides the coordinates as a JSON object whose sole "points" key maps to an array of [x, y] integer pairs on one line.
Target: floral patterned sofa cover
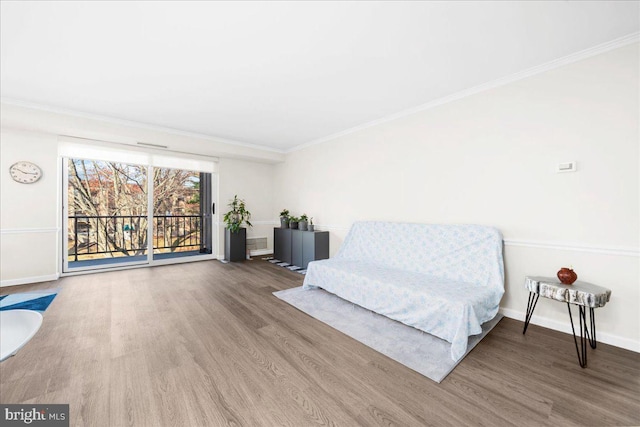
{"points": [[446, 280]]}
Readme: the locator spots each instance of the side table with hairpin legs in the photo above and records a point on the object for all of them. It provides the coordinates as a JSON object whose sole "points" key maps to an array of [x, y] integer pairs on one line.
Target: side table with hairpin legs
{"points": [[584, 295]]}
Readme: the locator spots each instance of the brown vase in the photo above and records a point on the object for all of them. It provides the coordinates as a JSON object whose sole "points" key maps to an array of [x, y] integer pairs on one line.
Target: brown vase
{"points": [[567, 276]]}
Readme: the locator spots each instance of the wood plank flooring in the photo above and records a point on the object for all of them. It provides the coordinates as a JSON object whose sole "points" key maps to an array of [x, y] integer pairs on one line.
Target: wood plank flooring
{"points": [[206, 344]]}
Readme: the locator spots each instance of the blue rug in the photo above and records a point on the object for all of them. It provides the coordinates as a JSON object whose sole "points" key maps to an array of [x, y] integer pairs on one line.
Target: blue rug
{"points": [[36, 300]]}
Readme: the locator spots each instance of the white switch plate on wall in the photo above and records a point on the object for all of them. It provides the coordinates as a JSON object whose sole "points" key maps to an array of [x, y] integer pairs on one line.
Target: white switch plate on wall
{"points": [[566, 167]]}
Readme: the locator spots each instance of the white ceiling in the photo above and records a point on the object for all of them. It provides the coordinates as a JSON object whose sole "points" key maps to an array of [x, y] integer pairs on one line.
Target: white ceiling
{"points": [[281, 74]]}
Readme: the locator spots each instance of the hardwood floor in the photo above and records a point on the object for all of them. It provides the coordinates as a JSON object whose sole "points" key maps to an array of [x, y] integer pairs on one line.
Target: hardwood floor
{"points": [[206, 343]]}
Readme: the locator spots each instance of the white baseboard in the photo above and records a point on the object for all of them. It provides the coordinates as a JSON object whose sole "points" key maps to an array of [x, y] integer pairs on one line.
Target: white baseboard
{"points": [[545, 322], [28, 280], [258, 252]]}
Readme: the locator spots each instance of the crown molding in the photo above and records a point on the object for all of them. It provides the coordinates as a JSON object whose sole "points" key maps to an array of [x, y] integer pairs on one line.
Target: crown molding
{"points": [[137, 125], [556, 63]]}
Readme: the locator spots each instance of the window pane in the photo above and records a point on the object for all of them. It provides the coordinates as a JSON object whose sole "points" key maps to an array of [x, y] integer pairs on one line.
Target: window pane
{"points": [[107, 210], [176, 211]]}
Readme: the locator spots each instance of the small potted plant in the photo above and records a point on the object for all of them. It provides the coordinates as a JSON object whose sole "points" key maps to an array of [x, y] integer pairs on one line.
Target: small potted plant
{"points": [[284, 218], [235, 236], [293, 222], [302, 222], [311, 227]]}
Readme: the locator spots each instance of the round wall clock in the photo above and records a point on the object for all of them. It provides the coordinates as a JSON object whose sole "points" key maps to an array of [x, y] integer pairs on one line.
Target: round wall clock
{"points": [[25, 172]]}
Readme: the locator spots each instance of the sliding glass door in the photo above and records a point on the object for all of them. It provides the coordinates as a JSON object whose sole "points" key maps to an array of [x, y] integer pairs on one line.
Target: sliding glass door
{"points": [[177, 214], [119, 214], [107, 215]]}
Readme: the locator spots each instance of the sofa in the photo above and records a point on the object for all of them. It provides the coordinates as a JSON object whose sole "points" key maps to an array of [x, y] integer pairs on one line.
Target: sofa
{"points": [[446, 280]]}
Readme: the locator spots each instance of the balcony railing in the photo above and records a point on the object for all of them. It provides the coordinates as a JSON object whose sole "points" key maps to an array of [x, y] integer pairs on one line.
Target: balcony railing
{"points": [[126, 235]]}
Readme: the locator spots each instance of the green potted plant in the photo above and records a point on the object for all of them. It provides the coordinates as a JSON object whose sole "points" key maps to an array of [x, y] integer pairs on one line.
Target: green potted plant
{"points": [[311, 227], [302, 222], [284, 218], [235, 236], [293, 222]]}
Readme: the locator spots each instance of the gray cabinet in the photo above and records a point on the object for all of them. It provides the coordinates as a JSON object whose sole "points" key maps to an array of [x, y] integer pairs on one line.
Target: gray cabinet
{"points": [[300, 247], [296, 247], [282, 244], [315, 246], [235, 245]]}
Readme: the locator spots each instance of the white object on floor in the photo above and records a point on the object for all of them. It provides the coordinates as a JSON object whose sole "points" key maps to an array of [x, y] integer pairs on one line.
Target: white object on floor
{"points": [[17, 327], [444, 279]]}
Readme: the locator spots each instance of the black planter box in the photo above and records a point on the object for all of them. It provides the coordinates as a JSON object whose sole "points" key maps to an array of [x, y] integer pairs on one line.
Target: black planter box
{"points": [[235, 245]]}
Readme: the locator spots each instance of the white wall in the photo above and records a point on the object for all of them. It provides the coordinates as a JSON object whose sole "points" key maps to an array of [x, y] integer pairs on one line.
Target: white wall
{"points": [[253, 182], [30, 214], [28, 218], [490, 159]]}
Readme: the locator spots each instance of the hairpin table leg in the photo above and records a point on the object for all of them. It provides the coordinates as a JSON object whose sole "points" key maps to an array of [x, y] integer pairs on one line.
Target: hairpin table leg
{"points": [[592, 339], [531, 305], [587, 332]]}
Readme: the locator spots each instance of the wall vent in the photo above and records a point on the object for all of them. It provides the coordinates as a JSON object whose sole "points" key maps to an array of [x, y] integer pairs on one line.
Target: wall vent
{"points": [[256, 243]]}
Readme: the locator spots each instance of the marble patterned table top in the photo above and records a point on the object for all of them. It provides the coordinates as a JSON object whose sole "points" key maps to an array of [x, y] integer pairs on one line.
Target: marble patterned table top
{"points": [[580, 293]]}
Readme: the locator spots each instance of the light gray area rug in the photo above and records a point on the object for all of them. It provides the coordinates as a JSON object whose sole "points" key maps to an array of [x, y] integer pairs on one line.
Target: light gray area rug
{"points": [[420, 351]]}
